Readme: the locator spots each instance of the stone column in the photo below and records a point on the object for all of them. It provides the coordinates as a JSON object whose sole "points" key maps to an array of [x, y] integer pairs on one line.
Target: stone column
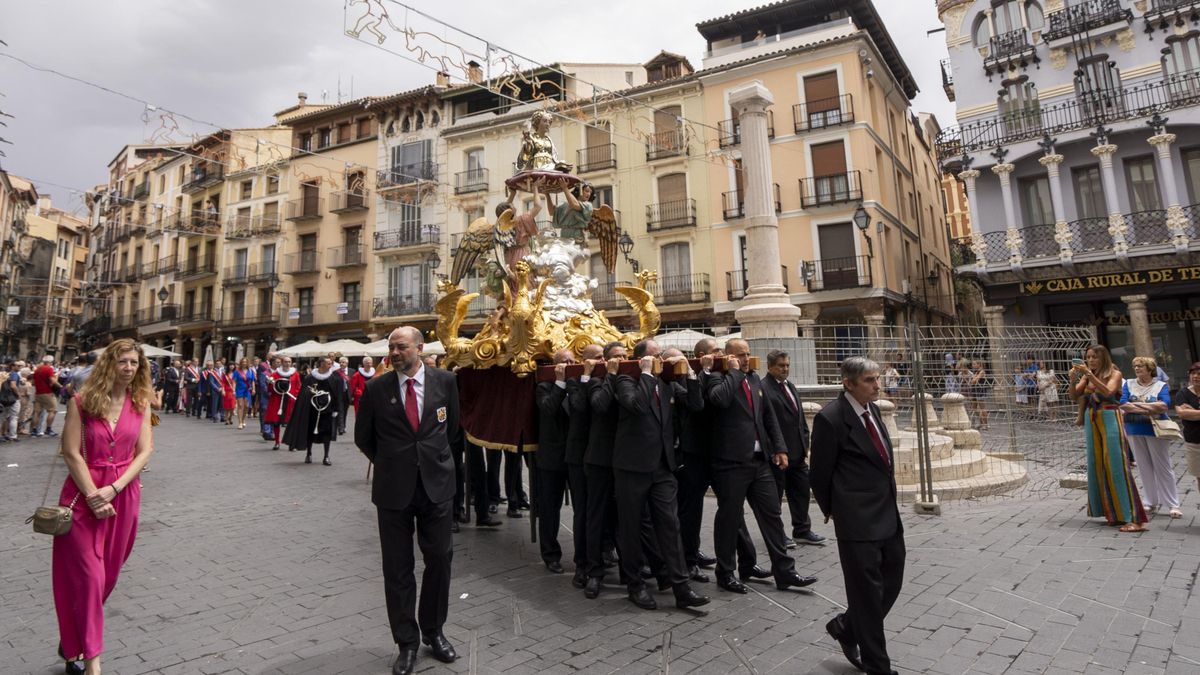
{"points": [[968, 178], [876, 337], [1062, 231], [767, 310], [993, 318], [1139, 324], [1177, 221], [1013, 238], [1117, 227], [178, 347]]}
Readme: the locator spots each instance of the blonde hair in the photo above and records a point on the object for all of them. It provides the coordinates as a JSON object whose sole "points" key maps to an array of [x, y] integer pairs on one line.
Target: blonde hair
{"points": [[98, 387], [1147, 361]]}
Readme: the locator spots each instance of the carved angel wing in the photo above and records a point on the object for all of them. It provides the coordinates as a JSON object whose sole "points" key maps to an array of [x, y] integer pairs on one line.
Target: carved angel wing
{"points": [[477, 240], [603, 226]]}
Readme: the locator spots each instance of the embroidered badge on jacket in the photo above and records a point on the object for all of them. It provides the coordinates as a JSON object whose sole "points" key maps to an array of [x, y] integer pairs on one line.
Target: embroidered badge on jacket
{"points": [[441, 414]]}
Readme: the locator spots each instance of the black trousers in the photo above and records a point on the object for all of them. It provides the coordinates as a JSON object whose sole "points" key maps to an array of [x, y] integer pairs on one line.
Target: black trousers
{"points": [[577, 483], [431, 523], [479, 480], [695, 476], [514, 492], [551, 485], [459, 477], [601, 515], [736, 484], [658, 491], [170, 398], [793, 483], [873, 572], [198, 400]]}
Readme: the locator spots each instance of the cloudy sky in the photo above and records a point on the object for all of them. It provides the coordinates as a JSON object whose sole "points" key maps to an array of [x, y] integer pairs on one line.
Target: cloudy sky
{"points": [[234, 63]]}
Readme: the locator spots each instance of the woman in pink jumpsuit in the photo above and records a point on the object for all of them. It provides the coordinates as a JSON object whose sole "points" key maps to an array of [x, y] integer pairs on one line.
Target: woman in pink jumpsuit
{"points": [[111, 416]]}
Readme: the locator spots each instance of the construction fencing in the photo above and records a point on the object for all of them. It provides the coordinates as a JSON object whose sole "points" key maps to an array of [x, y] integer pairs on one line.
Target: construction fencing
{"points": [[997, 419]]}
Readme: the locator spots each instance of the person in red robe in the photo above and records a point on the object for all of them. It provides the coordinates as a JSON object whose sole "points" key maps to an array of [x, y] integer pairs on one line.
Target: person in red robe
{"points": [[358, 381], [228, 397], [279, 407]]}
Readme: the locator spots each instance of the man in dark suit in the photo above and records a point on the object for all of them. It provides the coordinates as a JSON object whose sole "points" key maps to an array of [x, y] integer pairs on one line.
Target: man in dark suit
{"points": [[170, 378], [578, 430], [643, 477], [855, 484], [408, 421], [792, 481], [597, 464], [746, 441], [550, 458]]}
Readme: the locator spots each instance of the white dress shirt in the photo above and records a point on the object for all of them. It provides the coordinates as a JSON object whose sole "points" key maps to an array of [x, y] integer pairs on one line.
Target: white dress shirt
{"points": [[858, 412], [418, 387]]}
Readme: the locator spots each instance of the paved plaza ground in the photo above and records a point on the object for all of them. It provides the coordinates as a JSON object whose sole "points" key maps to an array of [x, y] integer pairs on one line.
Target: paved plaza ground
{"points": [[249, 561]]}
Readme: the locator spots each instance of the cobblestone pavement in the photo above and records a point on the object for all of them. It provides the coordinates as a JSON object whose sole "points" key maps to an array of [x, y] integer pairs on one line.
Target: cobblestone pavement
{"points": [[249, 561]]}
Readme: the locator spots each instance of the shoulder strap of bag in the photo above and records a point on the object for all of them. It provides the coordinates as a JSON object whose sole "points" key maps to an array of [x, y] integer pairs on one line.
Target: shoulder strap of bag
{"points": [[82, 450]]}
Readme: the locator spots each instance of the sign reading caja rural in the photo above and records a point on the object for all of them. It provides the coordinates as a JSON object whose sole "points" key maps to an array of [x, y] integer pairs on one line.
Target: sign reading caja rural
{"points": [[1111, 280]]}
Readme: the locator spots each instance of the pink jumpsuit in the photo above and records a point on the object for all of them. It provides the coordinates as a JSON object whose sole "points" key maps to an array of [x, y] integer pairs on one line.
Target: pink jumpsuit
{"points": [[87, 559]]}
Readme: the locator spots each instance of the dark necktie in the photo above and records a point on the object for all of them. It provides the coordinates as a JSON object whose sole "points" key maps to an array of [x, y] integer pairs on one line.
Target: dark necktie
{"points": [[410, 404], [750, 402], [875, 438], [791, 399]]}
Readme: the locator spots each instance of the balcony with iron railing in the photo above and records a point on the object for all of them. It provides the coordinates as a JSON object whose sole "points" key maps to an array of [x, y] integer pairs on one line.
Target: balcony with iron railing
{"points": [[733, 203], [1082, 16], [835, 274], [663, 144], [681, 289], [947, 79], [405, 175], [251, 273], [1006, 47], [348, 201], [200, 221], [197, 314], [412, 236], [158, 313], [240, 226], [402, 304], [196, 268], [248, 315], [131, 273], [738, 281], [141, 190], [325, 314], [149, 270], [203, 176], [473, 180], [1162, 14], [303, 262], [670, 215], [596, 158], [167, 265], [839, 188], [308, 208], [823, 113], [61, 282], [347, 256], [729, 132]]}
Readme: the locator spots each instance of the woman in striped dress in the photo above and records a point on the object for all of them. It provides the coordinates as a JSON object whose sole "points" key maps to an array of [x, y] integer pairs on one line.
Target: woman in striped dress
{"points": [[1111, 490]]}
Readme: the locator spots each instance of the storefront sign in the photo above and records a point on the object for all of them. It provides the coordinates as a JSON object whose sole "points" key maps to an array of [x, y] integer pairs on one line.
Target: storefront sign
{"points": [[1178, 315], [1111, 280]]}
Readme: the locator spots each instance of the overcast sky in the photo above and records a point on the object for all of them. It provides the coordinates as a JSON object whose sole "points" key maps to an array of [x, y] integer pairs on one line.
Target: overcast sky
{"points": [[234, 63]]}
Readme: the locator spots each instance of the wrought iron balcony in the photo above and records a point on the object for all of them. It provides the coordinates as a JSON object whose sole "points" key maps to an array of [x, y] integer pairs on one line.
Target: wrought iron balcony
{"points": [[403, 175], [597, 158], [670, 215], [346, 201], [203, 176], [466, 182], [62, 282], [304, 262], [248, 315], [239, 227], [833, 274], [734, 207], [326, 313], [195, 314], [1085, 111], [251, 273], [947, 79], [823, 113], [199, 222], [141, 190], [403, 305], [157, 313], [167, 265], [131, 273], [737, 281], [729, 132], [149, 270], [829, 190], [196, 268], [1008, 47], [681, 289], [1082, 16], [306, 209], [406, 237], [663, 144], [347, 256]]}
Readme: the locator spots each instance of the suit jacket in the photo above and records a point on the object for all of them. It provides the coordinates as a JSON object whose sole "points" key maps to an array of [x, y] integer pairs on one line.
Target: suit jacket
{"points": [[552, 426], [791, 420], [604, 412], [696, 426], [171, 376], [735, 426], [382, 432], [645, 428], [580, 426], [851, 482]]}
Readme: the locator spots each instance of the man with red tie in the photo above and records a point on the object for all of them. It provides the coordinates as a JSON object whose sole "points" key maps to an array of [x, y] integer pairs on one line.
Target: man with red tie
{"points": [[407, 425], [854, 482]]}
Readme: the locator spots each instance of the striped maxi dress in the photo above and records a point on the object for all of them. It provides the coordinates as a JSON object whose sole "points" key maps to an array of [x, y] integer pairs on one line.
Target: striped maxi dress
{"points": [[1111, 490]]}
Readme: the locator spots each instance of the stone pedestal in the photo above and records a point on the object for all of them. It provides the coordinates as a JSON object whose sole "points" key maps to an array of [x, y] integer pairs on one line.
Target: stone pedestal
{"points": [[888, 410], [956, 423], [931, 418], [810, 411]]}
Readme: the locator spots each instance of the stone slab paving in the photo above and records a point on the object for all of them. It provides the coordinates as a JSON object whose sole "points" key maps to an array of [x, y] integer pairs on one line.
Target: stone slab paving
{"points": [[249, 561]]}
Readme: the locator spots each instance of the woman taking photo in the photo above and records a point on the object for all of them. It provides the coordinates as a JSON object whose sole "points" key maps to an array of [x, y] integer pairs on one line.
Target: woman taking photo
{"points": [[1111, 490], [1143, 399], [106, 442], [1187, 404]]}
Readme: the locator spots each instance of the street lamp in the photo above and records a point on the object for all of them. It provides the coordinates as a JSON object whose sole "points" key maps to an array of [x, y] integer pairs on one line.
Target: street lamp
{"points": [[625, 244], [162, 294], [434, 261], [862, 220]]}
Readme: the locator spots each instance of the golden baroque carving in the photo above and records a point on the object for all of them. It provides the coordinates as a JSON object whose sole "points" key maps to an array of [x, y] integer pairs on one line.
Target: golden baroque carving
{"points": [[1125, 40], [1058, 59], [1054, 5], [1140, 6]]}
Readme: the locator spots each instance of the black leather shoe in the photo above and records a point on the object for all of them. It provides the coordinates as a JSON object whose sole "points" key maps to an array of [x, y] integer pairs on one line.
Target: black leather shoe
{"points": [[811, 538], [849, 648], [756, 572], [442, 649], [704, 560], [645, 573], [514, 513], [454, 528], [685, 597], [610, 560], [462, 517], [579, 580], [488, 522], [554, 566], [664, 584], [406, 663], [695, 574], [308, 459], [642, 598], [591, 590], [732, 585], [793, 580], [70, 667], [788, 543], [492, 508]]}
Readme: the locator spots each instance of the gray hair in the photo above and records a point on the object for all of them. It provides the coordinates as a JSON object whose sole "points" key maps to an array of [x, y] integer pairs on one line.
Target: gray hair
{"points": [[855, 367], [775, 355]]}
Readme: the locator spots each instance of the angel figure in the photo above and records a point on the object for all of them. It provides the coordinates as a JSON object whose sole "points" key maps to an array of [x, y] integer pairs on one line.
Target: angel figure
{"points": [[508, 240], [577, 215], [537, 149]]}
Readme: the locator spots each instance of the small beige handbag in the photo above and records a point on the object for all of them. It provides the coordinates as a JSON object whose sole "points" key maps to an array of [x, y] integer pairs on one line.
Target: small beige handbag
{"points": [[56, 520]]}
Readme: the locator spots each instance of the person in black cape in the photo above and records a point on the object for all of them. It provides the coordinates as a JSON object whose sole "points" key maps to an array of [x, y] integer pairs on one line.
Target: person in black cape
{"points": [[315, 417]]}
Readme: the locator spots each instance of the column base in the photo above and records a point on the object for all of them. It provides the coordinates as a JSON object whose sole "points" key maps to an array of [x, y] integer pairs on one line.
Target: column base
{"points": [[768, 315]]}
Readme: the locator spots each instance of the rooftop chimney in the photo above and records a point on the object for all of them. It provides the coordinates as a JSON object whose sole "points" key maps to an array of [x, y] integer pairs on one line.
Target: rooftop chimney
{"points": [[474, 72], [443, 79], [303, 98]]}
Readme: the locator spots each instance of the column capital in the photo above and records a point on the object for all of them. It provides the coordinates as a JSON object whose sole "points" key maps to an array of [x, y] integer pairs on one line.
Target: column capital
{"points": [[1137, 301], [1161, 139], [752, 97], [969, 175], [993, 314], [874, 319], [1003, 169], [1105, 150], [1050, 160]]}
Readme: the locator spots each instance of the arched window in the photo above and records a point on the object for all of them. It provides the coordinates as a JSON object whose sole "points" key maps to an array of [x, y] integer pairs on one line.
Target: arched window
{"points": [[982, 32], [405, 125], [420, 120], [434, 118], [1018, 103]]}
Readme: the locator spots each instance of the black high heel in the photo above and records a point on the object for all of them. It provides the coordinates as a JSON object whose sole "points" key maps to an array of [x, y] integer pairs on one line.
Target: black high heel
{"points": [[308, 458], [70, 667]]}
